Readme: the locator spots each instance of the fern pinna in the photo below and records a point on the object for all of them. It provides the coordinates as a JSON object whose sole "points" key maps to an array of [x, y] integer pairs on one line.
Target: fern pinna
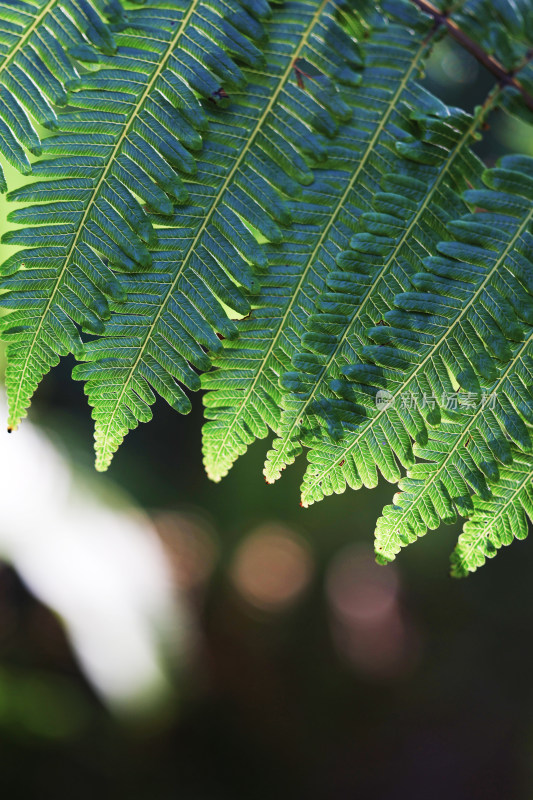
{"points": [[462, 456], [36, 73], [454, 310], [140, 121], [262, 200], [497, 520], [207, 250]]}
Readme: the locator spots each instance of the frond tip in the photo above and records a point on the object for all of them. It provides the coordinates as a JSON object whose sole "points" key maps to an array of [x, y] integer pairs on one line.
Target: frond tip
{"points": [[498, 521]]}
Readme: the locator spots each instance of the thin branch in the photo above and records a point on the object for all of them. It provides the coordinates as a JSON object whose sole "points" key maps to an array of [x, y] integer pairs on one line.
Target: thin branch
{"points": [[491, 64]]}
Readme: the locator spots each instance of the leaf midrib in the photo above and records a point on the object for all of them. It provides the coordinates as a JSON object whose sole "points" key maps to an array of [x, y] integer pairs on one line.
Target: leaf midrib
{"points": [[214, 206], [25, 36], [464, 433], [94, 195], [499, 261], [369, 150]]}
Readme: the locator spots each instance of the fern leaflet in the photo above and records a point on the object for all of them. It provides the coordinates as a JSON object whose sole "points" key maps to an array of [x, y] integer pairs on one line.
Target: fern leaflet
{"points": [[140, 121], [206, 251], [463, 457], [431, 337], [246, 381], [496, 522], [35, 71]]}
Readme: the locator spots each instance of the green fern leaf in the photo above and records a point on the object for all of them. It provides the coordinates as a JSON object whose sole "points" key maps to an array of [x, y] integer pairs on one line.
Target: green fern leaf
{"points": [[498, 521], [235, 191], [469, 304], [244, 395], [262, 150], [140, 121], [248, 398], [401, 226], [463, 458], [35, 71]]}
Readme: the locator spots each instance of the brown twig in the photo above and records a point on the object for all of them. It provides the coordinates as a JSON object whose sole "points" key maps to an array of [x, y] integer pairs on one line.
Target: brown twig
{"points": [[490, 63]]}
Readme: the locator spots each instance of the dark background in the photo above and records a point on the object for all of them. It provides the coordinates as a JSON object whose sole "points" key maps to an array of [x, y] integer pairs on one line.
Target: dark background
{"points": [[371, 682]]}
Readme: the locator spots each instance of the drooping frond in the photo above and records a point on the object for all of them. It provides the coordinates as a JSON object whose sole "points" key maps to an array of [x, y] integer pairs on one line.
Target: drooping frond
{"points": [[245, 395], [402, 224], [309, 389], [471, 300], [260, 153], [140, 120], [463, 457], [467, 456], [36, 73], [409, 213], [497, 521]]}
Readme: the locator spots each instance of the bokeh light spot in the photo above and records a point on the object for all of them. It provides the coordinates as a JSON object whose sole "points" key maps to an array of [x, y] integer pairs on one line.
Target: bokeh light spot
{"points": [[272, 567], [368, 625]]}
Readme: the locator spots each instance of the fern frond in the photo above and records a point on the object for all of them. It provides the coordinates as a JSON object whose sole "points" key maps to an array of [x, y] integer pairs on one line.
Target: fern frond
{"points": [[245, 396], [261, 152], [36, 73], [402, 225], [498, 521], [268, 341], [141, 119], [463, 458], [470, 302]]}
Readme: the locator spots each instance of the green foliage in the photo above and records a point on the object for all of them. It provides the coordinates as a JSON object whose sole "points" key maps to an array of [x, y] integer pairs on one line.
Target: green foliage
{"points": [[262, 201], [36, 72], [498, 520], [452, 330]]}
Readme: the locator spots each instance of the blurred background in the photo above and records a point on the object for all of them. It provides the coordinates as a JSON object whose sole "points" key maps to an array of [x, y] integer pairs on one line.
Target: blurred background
{"points": [[162, 636]]}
